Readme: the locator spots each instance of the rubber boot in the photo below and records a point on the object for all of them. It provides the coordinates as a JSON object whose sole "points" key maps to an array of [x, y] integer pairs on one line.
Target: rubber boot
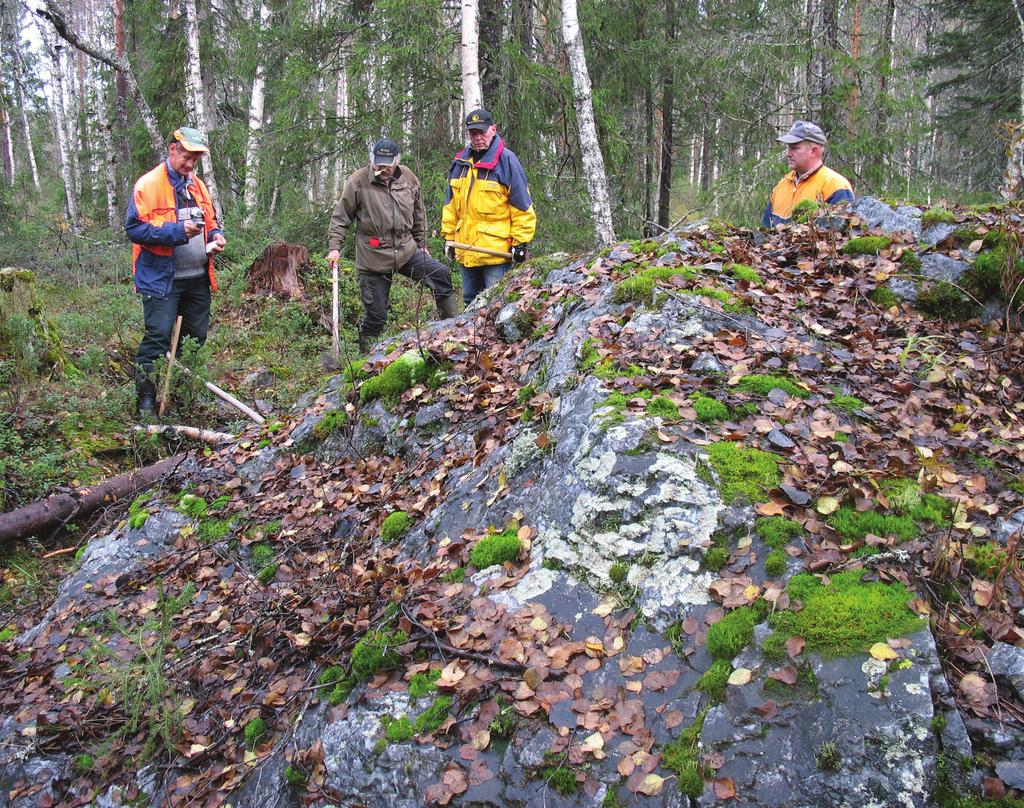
{"points": [[447, 306], [366, 344], [145, 395]]}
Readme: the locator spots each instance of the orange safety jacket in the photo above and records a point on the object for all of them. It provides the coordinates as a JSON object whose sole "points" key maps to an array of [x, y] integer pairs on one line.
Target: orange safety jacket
{"points": [[152, 225], [823, 184]]}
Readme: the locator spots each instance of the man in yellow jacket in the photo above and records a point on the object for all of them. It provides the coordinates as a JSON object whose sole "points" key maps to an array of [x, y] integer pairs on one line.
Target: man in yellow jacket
{"points": [[487, 205], [808, 179]]}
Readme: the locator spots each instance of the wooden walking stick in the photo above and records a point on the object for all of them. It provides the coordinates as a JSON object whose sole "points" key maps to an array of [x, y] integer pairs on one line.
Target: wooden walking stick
{"points": [[473, 248], [335, 342], [170, 366]]}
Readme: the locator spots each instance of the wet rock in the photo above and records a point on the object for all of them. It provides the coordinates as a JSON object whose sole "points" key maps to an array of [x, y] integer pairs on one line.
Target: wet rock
{"points": [[931, 236], [567, 277], [808, 362], [876, 213], [1011, 773], [942, 267], [1007, 662], [513, 324], [780, 440], [707, 363], [1008, 526], [903, 288], [258, 379]]}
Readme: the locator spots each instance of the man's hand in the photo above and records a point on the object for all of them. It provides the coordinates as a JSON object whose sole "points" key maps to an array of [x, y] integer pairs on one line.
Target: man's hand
{"points": [[426, 250], [192, 228], [520, 253], [219, 243], [449, 251], [333, 257]]}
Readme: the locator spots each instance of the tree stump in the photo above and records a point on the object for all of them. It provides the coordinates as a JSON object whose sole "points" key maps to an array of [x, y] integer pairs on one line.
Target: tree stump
{"points": [[277, 271]]}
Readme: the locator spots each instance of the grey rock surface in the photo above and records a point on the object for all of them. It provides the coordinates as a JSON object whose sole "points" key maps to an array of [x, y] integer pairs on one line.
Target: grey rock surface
{"points": [[1007, 662], [876, 213]]}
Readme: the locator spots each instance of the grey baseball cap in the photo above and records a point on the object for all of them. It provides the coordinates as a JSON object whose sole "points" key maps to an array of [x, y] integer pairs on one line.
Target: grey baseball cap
{"points": [[804, 130]]}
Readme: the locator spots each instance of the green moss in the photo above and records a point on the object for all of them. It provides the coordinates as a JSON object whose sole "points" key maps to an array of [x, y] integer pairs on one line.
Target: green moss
{"points": [[732, 633], [261, 554], [847, 403], [763, 384], [715, 558], [805, 211], [883, 296], [7, 633], [618, 572], [934, 216], [455, 576], [777, 531], [376, 651], [680, 757], [354, 371], [396, 378], [560, 779], [828, 757], [255, 733], [267, 574], [294, 776], [84, 764], [717, 249], [331, 676], [137, 511], [503, 725], [720, 295], [340, 692], [846, 616], [866, 245], [714, 680], [774, 647], [192, 506], [743, 473], [397, 730], [495, 548], [987, 559], [431, 719], [213, 530], [709, 409], [423, 683], [662, 407], [744, 273], [854, 525], [775, 563], [331, 420], [945, 301], [394, 526], [636, 289]]}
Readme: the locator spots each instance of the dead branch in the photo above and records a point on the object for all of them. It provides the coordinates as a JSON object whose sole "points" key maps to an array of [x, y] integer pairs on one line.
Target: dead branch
{"points": [[192, 432]]}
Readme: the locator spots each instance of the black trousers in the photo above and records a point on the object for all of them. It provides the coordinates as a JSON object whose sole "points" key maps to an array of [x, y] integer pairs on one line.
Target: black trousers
{"points": [[191, 299], [375, 289]]}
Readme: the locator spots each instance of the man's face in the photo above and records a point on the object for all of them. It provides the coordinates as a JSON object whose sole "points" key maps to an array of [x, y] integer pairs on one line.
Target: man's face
{"points": [[383, 173], [480, 139], [803, 156], [182, 160]]}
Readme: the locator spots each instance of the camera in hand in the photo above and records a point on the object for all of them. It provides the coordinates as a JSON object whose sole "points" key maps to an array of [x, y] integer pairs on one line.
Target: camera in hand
{"points": [[197, 216]]}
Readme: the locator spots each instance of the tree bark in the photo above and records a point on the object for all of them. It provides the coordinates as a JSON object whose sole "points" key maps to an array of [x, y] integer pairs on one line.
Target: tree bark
{"points": [[6, 142], [57, 116], [277, 271], [56, 17], [667, 111], [57, 510], [1013, 175], [471, 93], [121, 88], [252, 151], [196, 96], [829, 119], [26, 130], [590, 149]]}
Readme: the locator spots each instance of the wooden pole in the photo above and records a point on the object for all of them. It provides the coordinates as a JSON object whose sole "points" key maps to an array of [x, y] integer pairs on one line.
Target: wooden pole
{"points": [[193, 432], [230, 399], [471, 248], [170, 366], [335, 341]]}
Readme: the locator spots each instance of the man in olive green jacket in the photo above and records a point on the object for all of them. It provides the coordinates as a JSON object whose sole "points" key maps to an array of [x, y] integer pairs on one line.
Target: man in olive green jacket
{"points": [[385, 203]]}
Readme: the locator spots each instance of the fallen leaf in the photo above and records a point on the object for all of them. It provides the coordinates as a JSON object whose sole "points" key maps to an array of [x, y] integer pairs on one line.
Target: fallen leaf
{"points": [[827, 505], [795, 646], [740, 676], [770, 509], [882, 651], [786, 674], [651, 785], [725, 789]]}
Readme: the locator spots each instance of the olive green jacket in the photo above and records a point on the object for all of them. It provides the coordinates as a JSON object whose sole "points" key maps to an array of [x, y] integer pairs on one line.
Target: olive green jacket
{"points": [[390, 220]]}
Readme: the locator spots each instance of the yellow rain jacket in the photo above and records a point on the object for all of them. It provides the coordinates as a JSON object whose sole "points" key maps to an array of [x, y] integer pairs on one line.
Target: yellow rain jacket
{"points": [[487, 204], [823, 184]]}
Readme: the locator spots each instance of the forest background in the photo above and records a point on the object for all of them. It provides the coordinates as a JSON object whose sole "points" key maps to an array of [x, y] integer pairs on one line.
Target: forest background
{"points": [[922, 100]]}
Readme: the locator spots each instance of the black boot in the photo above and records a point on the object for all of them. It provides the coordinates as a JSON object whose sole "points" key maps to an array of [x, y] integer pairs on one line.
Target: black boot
{"points": [[145, 405], [447, 307]]}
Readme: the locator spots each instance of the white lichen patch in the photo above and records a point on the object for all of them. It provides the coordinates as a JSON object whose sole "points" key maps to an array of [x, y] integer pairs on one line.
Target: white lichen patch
{"points": [[523, 451], [914, 689], [534, 584], [669, 586]]}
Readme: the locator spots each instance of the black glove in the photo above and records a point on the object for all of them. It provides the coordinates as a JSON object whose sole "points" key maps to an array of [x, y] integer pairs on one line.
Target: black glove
{"points": [[449, 252], [519, 253]]}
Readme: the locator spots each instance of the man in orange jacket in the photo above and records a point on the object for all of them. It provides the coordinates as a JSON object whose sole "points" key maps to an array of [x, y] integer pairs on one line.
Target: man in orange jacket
{"points": [[808, 178], [174, 233]]}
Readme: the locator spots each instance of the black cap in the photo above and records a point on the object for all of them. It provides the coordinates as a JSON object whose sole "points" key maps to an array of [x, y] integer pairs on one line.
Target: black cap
{"points": [[479, 119], [385, 152]]}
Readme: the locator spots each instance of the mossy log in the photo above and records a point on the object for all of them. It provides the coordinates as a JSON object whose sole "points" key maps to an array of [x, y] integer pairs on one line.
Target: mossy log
{"points": [[277, 271], [52, 512]]}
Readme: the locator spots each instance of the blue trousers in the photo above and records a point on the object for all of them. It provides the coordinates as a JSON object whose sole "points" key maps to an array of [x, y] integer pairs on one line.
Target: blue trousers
{"points": [[476, 279], [191, 299]]}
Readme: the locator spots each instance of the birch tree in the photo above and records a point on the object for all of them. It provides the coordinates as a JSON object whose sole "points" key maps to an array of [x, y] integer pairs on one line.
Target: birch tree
{"points": [[472, 97], [57, 118], [252, 151], [593, 161], [196, 96], [1013, 175]]}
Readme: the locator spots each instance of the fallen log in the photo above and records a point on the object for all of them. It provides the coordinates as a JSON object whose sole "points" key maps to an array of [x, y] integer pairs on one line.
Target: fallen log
{"points": [[193, 432], [60, 509]]}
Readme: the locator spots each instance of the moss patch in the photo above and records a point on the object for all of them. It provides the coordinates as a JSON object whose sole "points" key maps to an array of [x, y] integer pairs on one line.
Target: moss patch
{"points": [[855, 525], [495, 548], [732, 633], [431, 719], [744, 273], [883, 296], [396, 378], [775, 563], [762, 384], [937, 216], [985, 560], [714, 680], [847, 615], [743, 473], [394, 526], [680, 757], [715, 558], [397, 730], [255, 732], [847, 403], [866, 245], [662, 407], [376, 651], [777, 531], [709, 409], [423, 683]]}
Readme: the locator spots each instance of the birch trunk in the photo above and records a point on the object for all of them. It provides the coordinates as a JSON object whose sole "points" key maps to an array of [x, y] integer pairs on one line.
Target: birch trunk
{"points": [[7, 144], [1013, 176], [53, 13], [26, 130], [340, 114], [667, 106], [121, 87], [106, 127], [471, 94], [590, 149], [252, 151], [57, 116], [196, 96]]}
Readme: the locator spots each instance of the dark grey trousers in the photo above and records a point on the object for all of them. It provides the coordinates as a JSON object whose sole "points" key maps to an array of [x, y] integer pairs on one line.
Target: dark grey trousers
{"points": [[375, 289], [191, 299]]}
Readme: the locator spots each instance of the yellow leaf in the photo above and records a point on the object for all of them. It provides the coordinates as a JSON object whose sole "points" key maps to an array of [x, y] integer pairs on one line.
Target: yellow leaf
{"points": [[481, 740], [925, 452], [593, 742], [827, 505], [882, 651], [740, 676], [751, 592], [538, 624], [605, 608], [651, 785], [745, 541]]}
